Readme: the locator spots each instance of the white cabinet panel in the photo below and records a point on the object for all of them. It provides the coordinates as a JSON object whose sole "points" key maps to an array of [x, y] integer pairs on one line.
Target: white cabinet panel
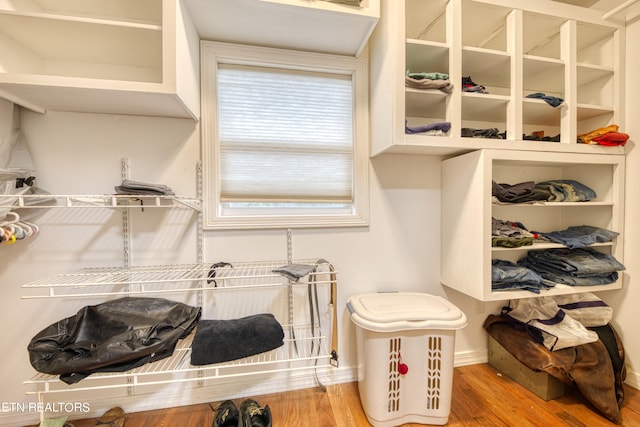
{"points": [[103, 56]]}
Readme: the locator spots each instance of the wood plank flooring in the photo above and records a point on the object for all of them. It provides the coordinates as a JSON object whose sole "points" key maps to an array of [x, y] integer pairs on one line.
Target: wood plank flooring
{"points": [[481, 397]]}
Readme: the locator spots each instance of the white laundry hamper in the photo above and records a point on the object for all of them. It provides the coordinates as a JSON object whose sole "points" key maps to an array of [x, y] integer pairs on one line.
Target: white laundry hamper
{"points": [[405, 345]]}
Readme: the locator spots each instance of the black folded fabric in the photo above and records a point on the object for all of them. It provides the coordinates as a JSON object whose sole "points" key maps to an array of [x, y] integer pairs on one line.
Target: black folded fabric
{"points": [[218, 341], [114, 336]]}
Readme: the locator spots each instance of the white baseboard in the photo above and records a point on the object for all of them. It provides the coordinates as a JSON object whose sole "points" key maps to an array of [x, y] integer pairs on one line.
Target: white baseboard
{"points": [[231, 388], [466, 358], [633, 379]]}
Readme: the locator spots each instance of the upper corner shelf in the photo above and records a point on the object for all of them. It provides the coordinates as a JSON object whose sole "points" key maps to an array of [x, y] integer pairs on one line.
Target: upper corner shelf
{"points": [[103, 56], [320, 26]]}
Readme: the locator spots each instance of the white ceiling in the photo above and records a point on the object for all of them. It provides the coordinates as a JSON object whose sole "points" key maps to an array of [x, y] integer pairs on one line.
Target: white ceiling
{"points": [[581, 3], [606, 6]]}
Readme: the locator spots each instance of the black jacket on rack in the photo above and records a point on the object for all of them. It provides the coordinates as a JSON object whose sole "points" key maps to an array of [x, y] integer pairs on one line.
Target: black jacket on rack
{"points": [[114, 336]]}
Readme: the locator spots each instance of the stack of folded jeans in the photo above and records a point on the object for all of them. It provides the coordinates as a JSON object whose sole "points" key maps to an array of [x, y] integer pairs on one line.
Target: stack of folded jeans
{"points": [[575, 267], [566, 190], [505, 276], [580, 236]]}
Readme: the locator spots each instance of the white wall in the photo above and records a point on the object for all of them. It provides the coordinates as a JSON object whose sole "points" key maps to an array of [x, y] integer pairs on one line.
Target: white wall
{"points": [[624, 302], [78, 153]]}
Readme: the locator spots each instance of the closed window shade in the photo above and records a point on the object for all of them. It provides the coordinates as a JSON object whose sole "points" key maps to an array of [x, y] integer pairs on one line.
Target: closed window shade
{"points": [[284, 135]]}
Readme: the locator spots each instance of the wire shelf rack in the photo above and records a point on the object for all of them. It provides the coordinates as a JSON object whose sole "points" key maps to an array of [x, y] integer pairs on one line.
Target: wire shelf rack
{"points": [[48, 201], [154, 279], [303, 352], [310, 328]]}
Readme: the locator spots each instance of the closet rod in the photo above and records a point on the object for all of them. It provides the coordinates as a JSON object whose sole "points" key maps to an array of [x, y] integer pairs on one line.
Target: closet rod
{"points": [[620, 8]]}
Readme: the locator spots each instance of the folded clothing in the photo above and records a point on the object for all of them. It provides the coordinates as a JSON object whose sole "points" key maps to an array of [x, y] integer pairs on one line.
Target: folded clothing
{"points": [[218, 341], [580, 236], [295, 271], [438, 126], [612, 139], [566, 190], [587, 138], [493, 133], [510, 234], [575, 267], [554, 101], [518, 193], [433, 80], [142, 188], [505, 275]]}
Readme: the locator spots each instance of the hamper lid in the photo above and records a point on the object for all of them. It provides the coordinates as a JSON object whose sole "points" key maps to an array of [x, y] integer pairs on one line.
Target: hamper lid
{"points": [[385, 312]]}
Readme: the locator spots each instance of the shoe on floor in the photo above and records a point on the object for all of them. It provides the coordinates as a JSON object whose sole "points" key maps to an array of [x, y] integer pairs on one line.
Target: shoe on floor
{"points": [[227, 415], [114, 417], [254, 415]]}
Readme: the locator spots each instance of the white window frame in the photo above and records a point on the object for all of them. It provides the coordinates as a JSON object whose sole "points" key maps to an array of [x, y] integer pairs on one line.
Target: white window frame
{"points": [[214, 53]]}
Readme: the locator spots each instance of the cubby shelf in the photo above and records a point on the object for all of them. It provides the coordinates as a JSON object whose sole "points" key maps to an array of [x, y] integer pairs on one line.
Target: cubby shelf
{"points": [[468, 209], [561, 51]]}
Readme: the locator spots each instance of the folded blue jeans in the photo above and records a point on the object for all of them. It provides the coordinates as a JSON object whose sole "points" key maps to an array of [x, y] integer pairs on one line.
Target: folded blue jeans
{"points": [[574, 262], [567, 190], [580, 236], [506, 275]]}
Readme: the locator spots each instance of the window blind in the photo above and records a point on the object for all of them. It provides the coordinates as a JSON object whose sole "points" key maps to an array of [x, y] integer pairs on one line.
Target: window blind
{"points": [[284, 135]]}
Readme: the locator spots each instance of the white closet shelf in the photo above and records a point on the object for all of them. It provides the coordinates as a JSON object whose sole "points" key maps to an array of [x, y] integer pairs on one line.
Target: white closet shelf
{"points": [[420, 102], [303, 352], [538, 112], [587, 111], [446, 146], [179, 278], [47, 201], [539, 246], [426, 56], [558, 289], [556, 204]]}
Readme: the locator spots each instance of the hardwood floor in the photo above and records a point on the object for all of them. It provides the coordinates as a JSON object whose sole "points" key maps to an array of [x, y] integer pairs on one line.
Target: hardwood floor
{"points": [[481, 397]]}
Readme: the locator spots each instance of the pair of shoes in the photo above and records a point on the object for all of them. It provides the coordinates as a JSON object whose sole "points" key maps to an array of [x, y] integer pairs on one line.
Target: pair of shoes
{"points": [[114, 417], [250, 414]]}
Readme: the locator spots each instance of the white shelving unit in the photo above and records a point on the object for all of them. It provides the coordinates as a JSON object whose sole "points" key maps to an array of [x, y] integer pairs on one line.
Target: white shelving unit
{"points": [[467, 211], [308, 328], [514, 50], [305, 308], [103, 56]]}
